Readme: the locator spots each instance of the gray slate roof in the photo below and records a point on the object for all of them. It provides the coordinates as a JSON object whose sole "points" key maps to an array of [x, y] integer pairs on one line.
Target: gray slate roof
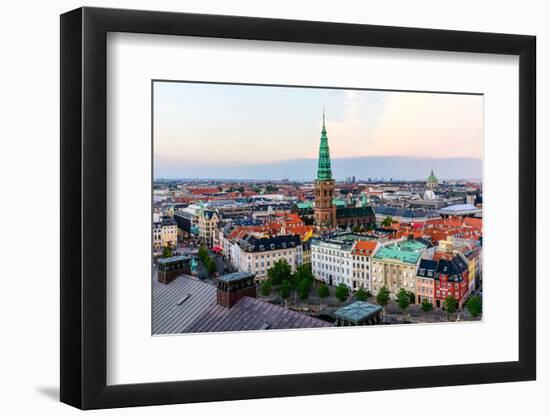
{"points": [[188, 305], [171, 259], [236, 276]]}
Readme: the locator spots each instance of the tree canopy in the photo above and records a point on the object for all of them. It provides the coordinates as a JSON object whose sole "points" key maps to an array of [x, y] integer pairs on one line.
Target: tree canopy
{"points": [[361, 294], [302, 280], [474, 306], [323, 291], [166, 251], [279, 272], [211, 266], [403, 299], [383, 296], [266, 287], [342, 292], [303, 289], [426, 305], [203, 253], [450, 304], [284, 289]]}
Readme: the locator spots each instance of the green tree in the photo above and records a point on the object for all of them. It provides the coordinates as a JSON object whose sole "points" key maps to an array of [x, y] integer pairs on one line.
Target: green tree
{"points": [[284, 289], [279, 272], [383, 296], [166, 251], [203, 254], [342, 292], [303, 289], [426, 305], [361, 294], [323, 291], [450, 304], [387, 222], [403, 299], [265, 288], [303, 272], [474, 306], [211, 266]]}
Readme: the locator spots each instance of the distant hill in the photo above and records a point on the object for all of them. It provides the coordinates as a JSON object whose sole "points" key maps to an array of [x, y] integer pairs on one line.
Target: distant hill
{"points": [[386, 167]]}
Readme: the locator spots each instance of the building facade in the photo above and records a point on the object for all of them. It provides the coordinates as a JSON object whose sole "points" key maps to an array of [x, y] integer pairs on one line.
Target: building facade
{"points": [[165, 234], [425, 281], [361, 256], [395, 266], [451, 278], [257, 254], [208, 226], [331, 261]]}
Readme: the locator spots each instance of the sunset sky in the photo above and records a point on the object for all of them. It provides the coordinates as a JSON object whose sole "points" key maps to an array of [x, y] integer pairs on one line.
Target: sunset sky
{"points": [[198, 127]]}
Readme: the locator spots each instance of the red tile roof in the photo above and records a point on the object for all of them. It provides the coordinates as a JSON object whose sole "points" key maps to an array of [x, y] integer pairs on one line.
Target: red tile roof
{"points": [[364, 247]]}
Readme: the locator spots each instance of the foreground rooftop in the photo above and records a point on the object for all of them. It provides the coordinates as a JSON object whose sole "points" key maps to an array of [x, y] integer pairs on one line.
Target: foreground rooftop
{"points": [[188, 305]]}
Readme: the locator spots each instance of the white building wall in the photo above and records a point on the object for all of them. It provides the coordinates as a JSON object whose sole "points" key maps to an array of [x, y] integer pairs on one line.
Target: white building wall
{"points": [[331, 265], [259, 262]]}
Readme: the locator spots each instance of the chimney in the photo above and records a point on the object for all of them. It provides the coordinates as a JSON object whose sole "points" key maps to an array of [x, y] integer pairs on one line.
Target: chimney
{"points": [[233, 287], [170, 268]]}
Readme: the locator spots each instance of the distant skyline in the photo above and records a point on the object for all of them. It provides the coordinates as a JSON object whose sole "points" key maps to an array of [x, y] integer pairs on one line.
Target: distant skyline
{"points": [[263, 132]]}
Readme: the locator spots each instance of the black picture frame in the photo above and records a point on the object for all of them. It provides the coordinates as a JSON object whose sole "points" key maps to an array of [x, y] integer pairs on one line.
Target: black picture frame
{"points": [[84, 207]]}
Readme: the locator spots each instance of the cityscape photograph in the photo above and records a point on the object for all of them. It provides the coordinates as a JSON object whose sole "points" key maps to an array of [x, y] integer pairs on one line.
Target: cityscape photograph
{"points": [[278, 207]]}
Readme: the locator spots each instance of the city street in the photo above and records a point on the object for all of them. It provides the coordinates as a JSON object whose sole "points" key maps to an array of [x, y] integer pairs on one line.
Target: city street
{"points": [[393, 314]]}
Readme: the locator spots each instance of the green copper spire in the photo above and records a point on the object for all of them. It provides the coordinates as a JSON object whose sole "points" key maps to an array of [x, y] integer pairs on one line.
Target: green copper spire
{"points": [[323, 170]]}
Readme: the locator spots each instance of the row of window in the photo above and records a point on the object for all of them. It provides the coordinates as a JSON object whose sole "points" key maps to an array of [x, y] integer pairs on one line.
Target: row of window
{"points": [[330, 268], [274, 255], [449, 285], [332, 252]]}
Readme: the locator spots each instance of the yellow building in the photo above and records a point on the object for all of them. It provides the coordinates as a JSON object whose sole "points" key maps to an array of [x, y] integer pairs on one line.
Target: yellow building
{"points": [[395, 265], [208, 226], [165, 233]]}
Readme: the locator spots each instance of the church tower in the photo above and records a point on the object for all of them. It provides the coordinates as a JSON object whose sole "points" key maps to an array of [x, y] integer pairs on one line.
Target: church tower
{"points": [[325, 212]]}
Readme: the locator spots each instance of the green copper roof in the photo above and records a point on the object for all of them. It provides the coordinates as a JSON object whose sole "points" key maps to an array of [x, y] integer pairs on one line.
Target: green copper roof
{"points": [[408, 251], [304, 205], [338, 203], [324, 171], [358, 311], [432, 178]]}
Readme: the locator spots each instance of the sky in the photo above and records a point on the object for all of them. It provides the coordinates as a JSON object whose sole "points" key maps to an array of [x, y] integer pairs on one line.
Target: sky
{"points": [[223, 130]]}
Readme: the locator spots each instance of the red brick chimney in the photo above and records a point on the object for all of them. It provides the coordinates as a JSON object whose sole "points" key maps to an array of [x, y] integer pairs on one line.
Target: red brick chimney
{"points": [[233, 287]]}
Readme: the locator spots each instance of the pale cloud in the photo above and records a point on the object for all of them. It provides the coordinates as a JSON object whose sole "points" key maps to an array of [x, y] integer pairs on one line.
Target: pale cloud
{"points": [[351, 134], [420, 125], [236, 125]]}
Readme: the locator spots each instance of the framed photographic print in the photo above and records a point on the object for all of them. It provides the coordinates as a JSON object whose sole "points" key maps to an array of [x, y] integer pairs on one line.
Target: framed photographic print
{"points": [[259, 208]]}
